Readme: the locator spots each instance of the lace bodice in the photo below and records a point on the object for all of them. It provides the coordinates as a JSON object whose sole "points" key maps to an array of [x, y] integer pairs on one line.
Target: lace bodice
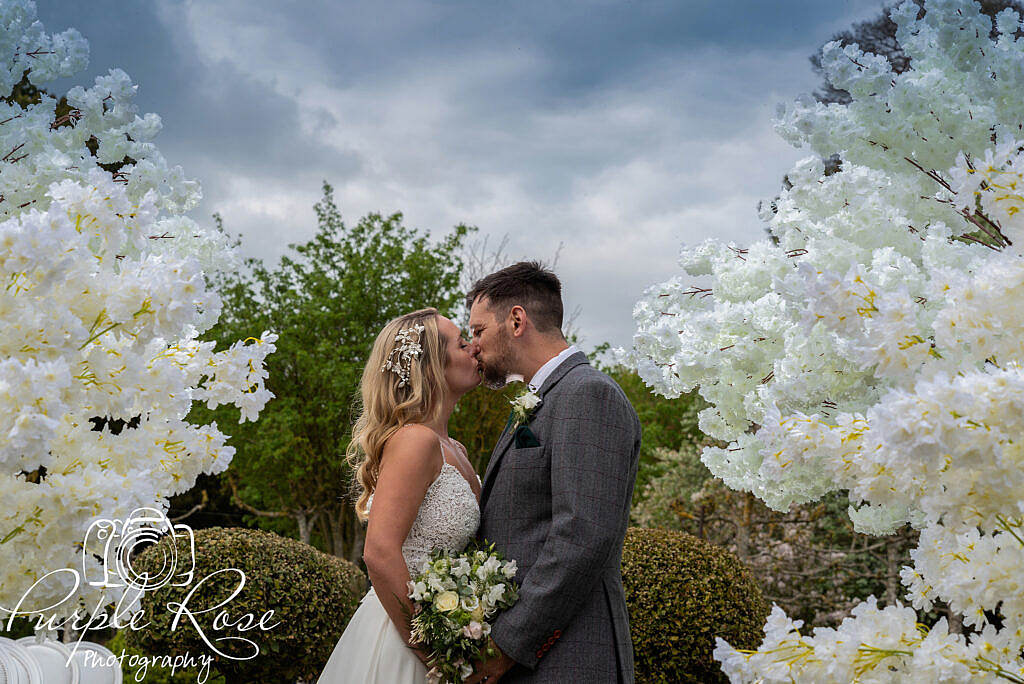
{"points": [[448, 518]]}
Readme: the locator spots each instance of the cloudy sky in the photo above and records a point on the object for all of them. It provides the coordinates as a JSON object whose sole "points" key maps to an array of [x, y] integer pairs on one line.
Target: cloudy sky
{"points": [[618, 129]]}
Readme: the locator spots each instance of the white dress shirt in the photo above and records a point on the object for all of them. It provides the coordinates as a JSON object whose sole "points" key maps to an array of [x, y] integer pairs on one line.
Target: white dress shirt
{"points": [[544, 371]]}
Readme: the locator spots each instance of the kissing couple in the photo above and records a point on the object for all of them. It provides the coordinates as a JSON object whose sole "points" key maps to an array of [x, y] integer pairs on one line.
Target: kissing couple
{"points": [[555, 497]]}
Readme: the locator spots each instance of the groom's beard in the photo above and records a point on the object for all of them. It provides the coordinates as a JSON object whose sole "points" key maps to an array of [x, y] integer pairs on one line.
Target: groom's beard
{"points": [[495, 374], [493, 378]]}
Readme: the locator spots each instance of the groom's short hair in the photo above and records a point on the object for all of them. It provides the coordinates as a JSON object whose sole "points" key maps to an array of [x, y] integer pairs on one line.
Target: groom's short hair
{"points": [[527, 284]]}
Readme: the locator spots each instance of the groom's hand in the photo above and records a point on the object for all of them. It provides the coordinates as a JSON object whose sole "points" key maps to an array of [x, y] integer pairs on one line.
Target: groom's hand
{"points": [[491, 670]]}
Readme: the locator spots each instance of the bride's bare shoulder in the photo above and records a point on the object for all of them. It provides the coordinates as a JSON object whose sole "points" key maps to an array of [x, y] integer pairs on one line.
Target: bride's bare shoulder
{"points": [[413, 446], [413, 434]]}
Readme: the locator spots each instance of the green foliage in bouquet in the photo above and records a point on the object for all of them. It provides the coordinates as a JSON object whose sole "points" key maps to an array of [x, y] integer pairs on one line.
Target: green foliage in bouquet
{"points": [[683, 592], [456, 595], [313, 596]]}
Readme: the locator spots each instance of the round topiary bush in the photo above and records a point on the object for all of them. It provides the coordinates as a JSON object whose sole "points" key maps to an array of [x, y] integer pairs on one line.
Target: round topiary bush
{"points": [[154, 673], [682, 592], [313, 596]]}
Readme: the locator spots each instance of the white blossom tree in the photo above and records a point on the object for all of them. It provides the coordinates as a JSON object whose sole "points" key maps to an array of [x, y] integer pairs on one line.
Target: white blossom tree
{"points": [[878, 347], [102, 300]]}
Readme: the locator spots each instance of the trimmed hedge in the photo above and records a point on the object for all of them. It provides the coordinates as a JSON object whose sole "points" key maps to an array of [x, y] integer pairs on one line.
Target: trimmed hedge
{"points": [[313, 596], [154, 673], [682, 592]]}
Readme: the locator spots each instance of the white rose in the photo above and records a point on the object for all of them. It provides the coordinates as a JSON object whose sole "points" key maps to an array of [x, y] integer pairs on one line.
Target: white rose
{"points": [[446, 601]]}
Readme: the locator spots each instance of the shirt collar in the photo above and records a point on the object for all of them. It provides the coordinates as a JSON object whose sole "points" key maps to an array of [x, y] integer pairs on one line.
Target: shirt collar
{"points": [[537, 381]]}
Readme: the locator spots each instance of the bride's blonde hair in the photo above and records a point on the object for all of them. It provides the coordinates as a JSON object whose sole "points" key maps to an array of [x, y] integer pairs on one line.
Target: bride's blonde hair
{"points": [[386, 407]]}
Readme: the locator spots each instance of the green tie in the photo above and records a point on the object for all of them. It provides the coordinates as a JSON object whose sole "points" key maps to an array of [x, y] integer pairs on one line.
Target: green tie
{"points": [[511, 415]]}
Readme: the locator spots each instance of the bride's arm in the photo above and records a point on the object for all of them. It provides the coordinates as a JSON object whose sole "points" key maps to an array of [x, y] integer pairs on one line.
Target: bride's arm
{"points": [[409, 464]]}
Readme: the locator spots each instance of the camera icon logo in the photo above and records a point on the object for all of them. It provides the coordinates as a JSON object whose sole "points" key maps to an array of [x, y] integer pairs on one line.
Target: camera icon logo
{"points": [[117, 542]]}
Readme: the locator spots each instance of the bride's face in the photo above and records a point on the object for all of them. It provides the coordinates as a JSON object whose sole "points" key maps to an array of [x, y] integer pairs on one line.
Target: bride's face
{"points": [[461, 371]]}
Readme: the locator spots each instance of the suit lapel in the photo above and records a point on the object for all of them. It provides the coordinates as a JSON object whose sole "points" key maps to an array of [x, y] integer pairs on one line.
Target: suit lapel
{"points": [[492, 465], [505, 440]]}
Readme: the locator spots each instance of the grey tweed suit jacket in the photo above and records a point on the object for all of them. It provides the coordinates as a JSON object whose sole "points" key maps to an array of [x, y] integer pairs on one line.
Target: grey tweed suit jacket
{"points": [[561, 510]]}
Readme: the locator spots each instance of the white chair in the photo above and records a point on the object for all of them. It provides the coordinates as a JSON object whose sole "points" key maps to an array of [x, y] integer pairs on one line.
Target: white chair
{"points": [[53, 659], [94, 668], [6, 667], [24, 669]]}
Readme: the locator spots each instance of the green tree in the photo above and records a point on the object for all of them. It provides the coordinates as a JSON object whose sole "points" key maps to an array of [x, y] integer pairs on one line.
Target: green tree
{"points": [[327, 300]]}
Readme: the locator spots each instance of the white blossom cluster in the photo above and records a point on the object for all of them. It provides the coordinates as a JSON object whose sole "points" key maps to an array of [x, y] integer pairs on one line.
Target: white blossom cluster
{"points": [[879, 346], [102, 300]]}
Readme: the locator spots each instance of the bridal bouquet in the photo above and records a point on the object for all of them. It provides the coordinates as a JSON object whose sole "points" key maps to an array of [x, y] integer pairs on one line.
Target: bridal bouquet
{"points": [[454, 596]]}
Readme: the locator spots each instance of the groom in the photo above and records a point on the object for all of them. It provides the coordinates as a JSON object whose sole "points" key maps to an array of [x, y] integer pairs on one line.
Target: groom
{"points": [[557, 491]]}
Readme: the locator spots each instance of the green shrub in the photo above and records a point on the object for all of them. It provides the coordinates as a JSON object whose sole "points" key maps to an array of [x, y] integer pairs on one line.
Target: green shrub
{"points": [[21, 627], [153, 674], [683, 592], [313, 596]]}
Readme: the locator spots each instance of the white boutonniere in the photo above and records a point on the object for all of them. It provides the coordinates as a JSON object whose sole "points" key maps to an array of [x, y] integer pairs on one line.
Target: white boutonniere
{"points": [[523, 407]]}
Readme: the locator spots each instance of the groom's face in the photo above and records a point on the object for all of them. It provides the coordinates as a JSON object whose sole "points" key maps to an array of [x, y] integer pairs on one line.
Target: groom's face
{"points": [[492, 344]]}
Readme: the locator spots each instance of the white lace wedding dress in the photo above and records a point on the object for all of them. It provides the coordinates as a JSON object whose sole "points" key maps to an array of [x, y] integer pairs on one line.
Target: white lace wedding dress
{"points": [[371, 650]]}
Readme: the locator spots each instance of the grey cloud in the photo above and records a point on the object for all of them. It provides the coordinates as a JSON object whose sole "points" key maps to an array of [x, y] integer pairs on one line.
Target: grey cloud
{"points": [[214, 111], [620, 128]]}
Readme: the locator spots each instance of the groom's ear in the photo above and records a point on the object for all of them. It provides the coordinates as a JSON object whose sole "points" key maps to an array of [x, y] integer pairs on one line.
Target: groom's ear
{"points": [[517, 316]]}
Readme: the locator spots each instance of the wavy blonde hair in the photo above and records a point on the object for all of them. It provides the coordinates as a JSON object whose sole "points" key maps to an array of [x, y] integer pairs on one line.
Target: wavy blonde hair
{"points": [[386, 407]]}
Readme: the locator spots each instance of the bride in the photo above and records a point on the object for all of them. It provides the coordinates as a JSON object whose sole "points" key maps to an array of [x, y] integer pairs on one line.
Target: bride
{"points": [[419, 482]]}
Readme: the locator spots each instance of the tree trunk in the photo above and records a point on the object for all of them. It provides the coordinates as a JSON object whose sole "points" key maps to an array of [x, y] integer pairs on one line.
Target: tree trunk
{"points": [[304, 524], [348, 533], [358, 537], [892, 572], [323, 522], [955, 620], [336, 520], [743, 528]]}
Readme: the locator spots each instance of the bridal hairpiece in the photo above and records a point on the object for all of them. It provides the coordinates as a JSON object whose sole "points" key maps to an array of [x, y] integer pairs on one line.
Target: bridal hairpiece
{"points": [[407, 347]]}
